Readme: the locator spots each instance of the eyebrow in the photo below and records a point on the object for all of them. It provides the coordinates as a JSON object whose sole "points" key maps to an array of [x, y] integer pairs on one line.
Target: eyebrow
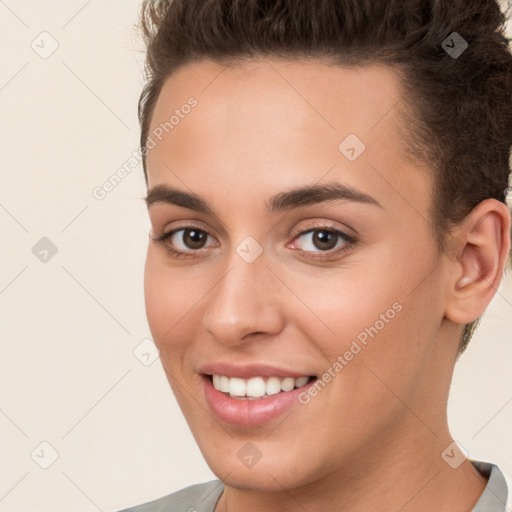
{"points": [[296, 197]]}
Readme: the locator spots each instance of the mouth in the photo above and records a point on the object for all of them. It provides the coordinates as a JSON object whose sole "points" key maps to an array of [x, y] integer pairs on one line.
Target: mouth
{"points": [[253, 396], [257, 387]]}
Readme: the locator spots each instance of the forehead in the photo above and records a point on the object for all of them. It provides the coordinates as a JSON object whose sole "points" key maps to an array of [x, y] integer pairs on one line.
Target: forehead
{"points": [[283, 121], [292, 94]]}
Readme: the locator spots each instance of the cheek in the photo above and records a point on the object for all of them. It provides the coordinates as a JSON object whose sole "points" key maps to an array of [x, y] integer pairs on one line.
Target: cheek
{"points": [[343, 305], [174, 298], [158, 298], [164, 298], [383, 318]]}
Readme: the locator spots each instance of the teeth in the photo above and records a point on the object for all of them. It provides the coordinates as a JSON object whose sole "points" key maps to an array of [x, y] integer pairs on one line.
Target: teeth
{"points": [[273, 386], [301, 381], [237, 387], [256, 387], [287, 384], [223, 384]]}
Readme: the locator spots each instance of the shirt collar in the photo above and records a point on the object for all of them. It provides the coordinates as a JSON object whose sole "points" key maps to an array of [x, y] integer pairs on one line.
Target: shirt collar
{"points": [[494, 497]]}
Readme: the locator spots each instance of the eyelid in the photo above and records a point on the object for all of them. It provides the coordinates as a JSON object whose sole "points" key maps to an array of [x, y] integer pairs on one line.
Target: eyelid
{"points": [[314, 225], [190, 223], [162, 217]]}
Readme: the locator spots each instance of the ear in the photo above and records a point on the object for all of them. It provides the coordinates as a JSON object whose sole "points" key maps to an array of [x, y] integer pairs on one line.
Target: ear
{"points": [[484, 244]]}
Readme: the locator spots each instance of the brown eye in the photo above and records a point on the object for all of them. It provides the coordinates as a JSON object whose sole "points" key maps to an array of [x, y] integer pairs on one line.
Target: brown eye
{"points": [[324, 239], [194, 238], [184, 241]]}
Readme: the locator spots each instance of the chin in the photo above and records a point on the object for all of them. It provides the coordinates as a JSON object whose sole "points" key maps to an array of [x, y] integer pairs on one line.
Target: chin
{"points": [[261, 478], [272, 472]]}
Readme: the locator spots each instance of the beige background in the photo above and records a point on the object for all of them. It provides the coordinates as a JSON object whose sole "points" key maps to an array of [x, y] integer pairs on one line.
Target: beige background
{"points": [[69, 326]]}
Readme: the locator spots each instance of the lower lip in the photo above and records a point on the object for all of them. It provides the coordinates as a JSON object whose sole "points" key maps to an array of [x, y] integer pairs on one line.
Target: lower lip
{"points": [[249, 413]]}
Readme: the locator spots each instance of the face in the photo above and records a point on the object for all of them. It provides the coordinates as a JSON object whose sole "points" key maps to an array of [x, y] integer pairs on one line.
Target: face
{"points": [[291, 257]]}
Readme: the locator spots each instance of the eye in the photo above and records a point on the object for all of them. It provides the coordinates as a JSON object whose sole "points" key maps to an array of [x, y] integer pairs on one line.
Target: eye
{"points": [[319, 242], [184, 241], [324, 239]]}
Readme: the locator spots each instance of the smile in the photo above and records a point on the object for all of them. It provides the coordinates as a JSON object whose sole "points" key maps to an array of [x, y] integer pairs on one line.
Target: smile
{"points": [[257, 387]]}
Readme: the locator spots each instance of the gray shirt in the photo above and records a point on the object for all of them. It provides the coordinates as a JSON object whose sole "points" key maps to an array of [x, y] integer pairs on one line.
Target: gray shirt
{"points": [[204, 497]]}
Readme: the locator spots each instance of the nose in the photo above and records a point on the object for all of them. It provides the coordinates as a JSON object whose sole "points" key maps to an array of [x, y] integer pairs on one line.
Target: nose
{"points": [[244, 303]]}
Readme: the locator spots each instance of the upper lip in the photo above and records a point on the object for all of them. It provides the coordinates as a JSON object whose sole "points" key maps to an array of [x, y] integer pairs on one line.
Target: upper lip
{"points": [[246, 371]]}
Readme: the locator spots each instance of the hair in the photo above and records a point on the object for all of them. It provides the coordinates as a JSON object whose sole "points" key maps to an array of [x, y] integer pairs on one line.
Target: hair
{"points": [[458, 110]]}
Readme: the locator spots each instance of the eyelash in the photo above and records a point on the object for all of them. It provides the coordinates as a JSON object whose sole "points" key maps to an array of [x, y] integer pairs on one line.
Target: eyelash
{"points": [[350, 241]]}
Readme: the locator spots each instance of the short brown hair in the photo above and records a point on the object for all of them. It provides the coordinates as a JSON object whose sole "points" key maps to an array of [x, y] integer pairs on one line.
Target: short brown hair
{"points": [[461, 106]]}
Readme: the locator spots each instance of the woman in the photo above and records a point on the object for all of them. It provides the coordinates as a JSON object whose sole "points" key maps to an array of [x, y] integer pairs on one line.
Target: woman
{"points": [[326, 189]]}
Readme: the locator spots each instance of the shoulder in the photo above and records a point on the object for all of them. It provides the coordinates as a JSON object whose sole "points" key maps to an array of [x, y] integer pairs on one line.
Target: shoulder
{"points": [[196, 498], [494, 497]]}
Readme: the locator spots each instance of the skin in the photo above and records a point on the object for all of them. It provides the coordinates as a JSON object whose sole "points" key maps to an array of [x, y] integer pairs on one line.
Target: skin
{"points": [[373, 438]]}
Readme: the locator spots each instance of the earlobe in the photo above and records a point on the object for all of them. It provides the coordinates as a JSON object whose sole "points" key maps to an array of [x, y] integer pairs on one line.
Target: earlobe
{"points": [[478, 269]]}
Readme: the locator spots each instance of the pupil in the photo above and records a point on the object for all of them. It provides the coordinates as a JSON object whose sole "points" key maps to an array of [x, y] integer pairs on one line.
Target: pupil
{"points": [[322, 238], [194, 238]]}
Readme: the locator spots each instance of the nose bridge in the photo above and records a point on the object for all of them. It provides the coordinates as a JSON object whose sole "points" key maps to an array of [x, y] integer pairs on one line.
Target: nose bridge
{"points": [[244, 300]]}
